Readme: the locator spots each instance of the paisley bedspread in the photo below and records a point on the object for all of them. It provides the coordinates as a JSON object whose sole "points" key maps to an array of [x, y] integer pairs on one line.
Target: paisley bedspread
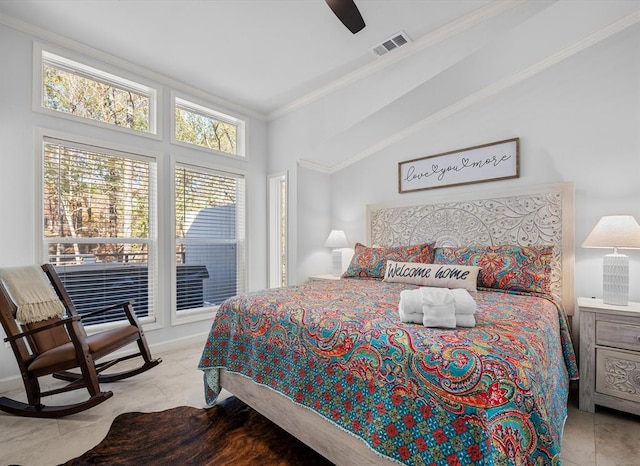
{"points": [[493, 394]]}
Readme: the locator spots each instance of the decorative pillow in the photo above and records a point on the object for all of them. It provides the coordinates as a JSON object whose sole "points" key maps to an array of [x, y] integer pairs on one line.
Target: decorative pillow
{"points": [[505, 267], [371, 262], [440, 275]]}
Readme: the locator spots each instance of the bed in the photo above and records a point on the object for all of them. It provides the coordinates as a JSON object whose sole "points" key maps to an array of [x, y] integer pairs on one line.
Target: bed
{"points": [[331, 362]]}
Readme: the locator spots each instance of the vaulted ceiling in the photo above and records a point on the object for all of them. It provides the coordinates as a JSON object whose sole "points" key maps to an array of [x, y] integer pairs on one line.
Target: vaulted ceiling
{"points": [[277, 56], [262, 54]]}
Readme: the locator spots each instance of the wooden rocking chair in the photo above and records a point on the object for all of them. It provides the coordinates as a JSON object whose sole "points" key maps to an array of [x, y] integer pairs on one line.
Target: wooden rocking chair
{"points": [[54, 341]]}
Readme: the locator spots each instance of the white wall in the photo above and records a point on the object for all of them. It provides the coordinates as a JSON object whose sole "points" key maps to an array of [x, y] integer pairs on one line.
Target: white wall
{"points": [[314, 220], [577, 114], [577, 122], [18, 183]]}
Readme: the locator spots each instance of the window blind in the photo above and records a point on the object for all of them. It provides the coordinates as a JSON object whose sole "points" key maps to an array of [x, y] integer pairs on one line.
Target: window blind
{"points": [[99, 222], [210, 236]]}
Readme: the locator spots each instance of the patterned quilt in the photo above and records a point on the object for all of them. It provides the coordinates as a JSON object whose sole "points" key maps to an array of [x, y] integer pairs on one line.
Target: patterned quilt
{"points": [[493, 394]]}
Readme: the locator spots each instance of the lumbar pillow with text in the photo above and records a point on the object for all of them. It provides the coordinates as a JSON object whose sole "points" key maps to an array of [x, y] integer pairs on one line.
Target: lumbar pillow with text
{"points": [[439, 275]]}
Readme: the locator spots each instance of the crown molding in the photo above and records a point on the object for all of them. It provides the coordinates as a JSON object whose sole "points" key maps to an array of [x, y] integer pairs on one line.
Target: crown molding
{"points": [[315, 166], [441, 34], [488, 91]]}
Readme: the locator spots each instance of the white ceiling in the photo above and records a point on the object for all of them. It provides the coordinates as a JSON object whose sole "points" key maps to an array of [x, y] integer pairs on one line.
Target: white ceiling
{"points": [[273, 57], [261, 54]]}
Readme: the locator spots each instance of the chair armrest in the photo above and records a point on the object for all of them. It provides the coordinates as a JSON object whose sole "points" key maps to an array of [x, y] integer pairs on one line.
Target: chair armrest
{"points": [[58, 323], [126, 306], [106, 309]]}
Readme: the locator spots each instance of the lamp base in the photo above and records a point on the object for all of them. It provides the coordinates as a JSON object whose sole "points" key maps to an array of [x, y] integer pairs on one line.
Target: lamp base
{"points": [[615, 279], [336, 262]]}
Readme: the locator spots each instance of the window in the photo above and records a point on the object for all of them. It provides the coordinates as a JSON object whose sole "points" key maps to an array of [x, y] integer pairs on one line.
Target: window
{"points": [[100, 199], [99, 225], [75, 89], [210, 237], [277, 230], [206, 128]]}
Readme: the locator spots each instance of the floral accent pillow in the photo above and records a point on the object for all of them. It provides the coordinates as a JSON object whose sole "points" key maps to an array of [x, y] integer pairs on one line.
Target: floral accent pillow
{"points": [[372, 262], [505, 267]]}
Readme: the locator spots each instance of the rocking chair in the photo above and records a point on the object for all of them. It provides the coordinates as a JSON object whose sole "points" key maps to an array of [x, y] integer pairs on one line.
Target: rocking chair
{"points": [[46, 335]]}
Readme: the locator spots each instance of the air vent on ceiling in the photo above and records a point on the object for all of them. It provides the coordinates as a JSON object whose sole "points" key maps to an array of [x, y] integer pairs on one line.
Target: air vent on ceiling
{"points": [[392, 43]]}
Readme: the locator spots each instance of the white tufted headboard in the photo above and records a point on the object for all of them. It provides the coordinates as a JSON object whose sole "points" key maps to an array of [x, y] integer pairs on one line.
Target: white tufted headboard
{"points": [[538, 215]]}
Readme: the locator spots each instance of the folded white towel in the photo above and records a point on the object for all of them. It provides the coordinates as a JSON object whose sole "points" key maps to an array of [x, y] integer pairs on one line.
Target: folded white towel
{"points": [[411, 300], [438, 307], [410, 307], [439, 315], [465, 320], [413, 317], [465, 304], [432, 296]]}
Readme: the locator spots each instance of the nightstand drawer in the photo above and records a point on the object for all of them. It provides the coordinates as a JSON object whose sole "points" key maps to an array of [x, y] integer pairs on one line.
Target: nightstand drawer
{"points": [[618, 374], [617, 335]]}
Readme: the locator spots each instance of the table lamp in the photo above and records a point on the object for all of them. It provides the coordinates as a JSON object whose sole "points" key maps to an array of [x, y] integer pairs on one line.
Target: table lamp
{"points": [[336, 241], [617, 232]]}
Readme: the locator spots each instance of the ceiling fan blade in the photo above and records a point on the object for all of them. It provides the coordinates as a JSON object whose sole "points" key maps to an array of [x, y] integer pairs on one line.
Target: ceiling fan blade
{"points": [[348, 13]]}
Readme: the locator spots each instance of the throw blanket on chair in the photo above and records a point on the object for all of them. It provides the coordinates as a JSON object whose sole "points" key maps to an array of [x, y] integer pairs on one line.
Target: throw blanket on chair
{"points": [[32, 294]]}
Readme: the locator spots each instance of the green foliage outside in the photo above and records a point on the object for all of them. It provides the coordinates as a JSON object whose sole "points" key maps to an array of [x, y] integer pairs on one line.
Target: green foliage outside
{"points": [[85, 97], [95, 195], [205, 131]]}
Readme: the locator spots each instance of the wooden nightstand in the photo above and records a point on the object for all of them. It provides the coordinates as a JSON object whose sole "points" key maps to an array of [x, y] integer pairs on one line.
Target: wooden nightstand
{"points": [[326, 276], [609, 355]]}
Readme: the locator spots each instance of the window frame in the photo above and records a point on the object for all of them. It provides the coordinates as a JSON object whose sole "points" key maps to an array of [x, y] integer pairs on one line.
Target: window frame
{"points": [[277, 230], [207, 109], [208, 312], [41, 136], [86, 67], [161, 148]]}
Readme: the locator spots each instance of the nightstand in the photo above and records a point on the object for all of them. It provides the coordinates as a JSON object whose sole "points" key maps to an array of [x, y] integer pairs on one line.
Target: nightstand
{"points": [[325, 276], [609, 355]]}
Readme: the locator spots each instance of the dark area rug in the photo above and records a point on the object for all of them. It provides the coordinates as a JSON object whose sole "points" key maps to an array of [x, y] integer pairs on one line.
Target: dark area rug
{"points": [[229, 433]]}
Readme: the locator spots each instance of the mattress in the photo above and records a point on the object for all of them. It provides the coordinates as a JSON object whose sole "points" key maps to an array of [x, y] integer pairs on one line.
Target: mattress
{"points": [[492, 394]]}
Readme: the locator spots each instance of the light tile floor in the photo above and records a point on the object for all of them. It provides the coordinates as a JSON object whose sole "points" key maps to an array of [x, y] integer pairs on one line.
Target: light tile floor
{"points": [[606, 438]]}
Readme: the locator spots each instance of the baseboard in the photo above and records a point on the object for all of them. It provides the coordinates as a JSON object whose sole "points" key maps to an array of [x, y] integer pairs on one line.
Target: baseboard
{"points": [[14, 383]]}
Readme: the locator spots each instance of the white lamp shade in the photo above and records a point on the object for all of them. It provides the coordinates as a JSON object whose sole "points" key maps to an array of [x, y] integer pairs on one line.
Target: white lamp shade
{"points": [[336, 239], [614, 231]]}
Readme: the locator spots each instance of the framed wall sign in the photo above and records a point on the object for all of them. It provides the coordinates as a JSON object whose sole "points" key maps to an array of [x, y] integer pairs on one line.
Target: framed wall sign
{"points": [[487, 162]]}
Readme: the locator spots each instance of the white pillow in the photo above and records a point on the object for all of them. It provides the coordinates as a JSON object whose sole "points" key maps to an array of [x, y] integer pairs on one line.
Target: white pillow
{"points": [[439, 275]]}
